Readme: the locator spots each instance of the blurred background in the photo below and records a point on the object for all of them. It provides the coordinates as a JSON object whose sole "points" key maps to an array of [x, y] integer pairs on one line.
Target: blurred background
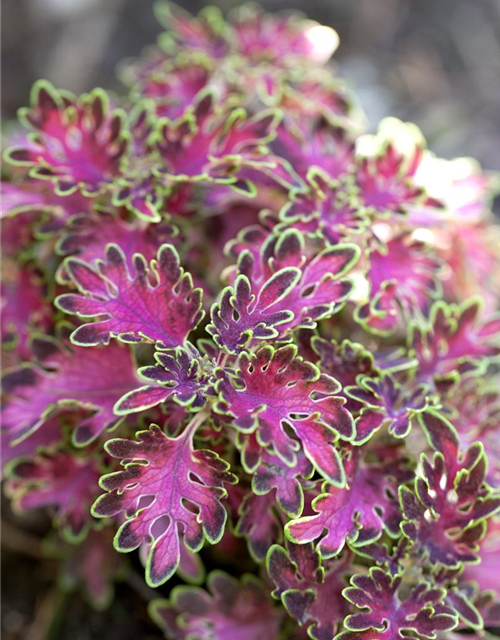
{"points": [[435, 63]]}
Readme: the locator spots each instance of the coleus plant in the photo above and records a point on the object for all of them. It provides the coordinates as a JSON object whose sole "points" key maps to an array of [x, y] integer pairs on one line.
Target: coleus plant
{"points": [[264, 305]]}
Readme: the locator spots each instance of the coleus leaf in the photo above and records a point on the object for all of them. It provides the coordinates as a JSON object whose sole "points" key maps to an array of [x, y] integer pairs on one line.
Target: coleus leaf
{"points": [[345, 361], [403, 275], [157, 303], [280, 290], [455, 338], [91, 567], [326, 209], [78, 143], [85, 382], [143, 194], [277, 39], [191, 568], [485, 574], [317, 92], [173, 85], [230, 609], [87, 237], [471, 254], [489, 607], [465, 189], [386, 401], [473, 407], [22, 197], [213, 142], [272, 474], [359, 512], [460, 596], [420, 615], [16, 235], [260, 522], [181, 374], [35, 197], [166, 488], [310, 592], [444, 515], [205, 32], [386, 179], [38, 441], [60, 480], [274, 388], [315, 142], [24, 307], [391, 557]]}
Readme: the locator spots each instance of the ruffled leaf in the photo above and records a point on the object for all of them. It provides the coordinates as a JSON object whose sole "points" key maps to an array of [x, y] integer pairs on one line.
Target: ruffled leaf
{"points": [[359, 512], [455, 337], [166, 488], [422, 612], [91, 381], [59, 480], [444, 514], [230, 609], [181, 374], [310, 592], [385, 401], [157, 303], [403, 276], [280, 290], [78, 143], [325, 209], [273, 389]]}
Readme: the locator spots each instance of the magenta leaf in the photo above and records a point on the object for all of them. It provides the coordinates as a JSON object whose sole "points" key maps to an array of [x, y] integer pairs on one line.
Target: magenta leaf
{"points": [[87, 382], [24, 308], [315, 143], [213, 144], [181, 374], [33, 199], [78, 143], [473, 407], [205, 33], [359, 512], [229, 610], [485, 573], [385, 401], [280, 289], [310, 592], [444, 515], [390, 557], [92, 568], [403, 276], [38, 441], [273, 389], [422, 613], [191, 567], [59, 480], [455, 337], [173, 84], [87, 236], [166, 488], [260, 523], [386, 182], [344, 361], [157, 303], [272, 474], [461, 596], [279, 39], [325, 209]]}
